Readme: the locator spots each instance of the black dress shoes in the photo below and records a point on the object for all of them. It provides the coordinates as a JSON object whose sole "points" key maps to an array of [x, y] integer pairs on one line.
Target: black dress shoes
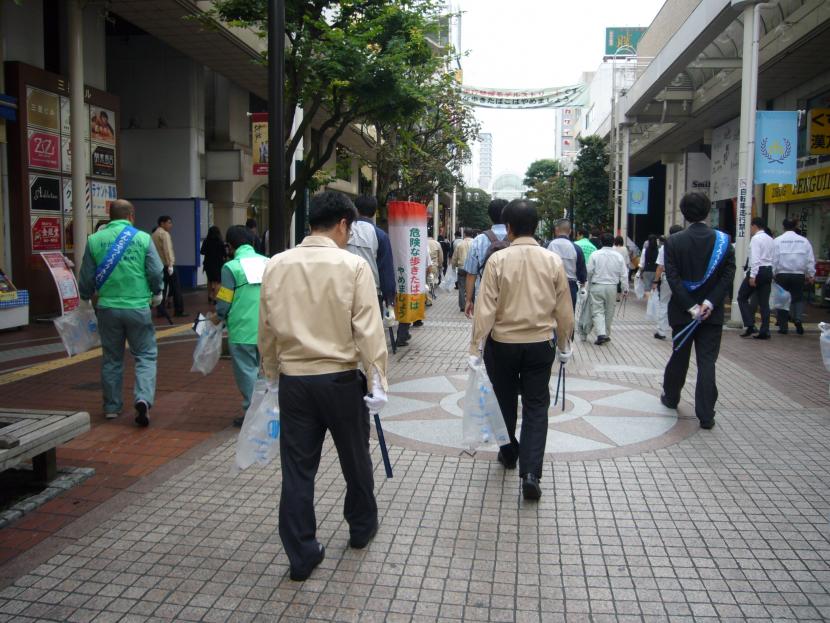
{"points": [[300, 575], [748, 331], [799, 328], [761, 336], [361, 542], [238, 421], [665, 402], [507, 464], [602, 339], [531, 490], [707, 425]]}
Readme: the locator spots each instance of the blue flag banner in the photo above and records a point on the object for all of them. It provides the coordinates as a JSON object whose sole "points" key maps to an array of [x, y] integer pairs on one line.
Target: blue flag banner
{"points": [[638, 195], [776, 139]]}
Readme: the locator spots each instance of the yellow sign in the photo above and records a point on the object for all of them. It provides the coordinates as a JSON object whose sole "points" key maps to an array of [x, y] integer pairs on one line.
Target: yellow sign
{"points": [[812, 184], [8, 296], [43, 109], [819, 131]]}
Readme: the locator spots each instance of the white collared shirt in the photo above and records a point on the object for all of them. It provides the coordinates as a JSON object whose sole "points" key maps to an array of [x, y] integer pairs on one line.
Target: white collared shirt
{"points": [[761, 252], [606, 266]]}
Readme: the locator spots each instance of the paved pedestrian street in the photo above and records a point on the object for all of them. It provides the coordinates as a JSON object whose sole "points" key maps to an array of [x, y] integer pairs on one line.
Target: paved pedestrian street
{"points": [[643, 517]]}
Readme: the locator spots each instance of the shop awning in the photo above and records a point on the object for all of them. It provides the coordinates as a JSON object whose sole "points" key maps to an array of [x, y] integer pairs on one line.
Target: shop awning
{"points": [[8, 107]]}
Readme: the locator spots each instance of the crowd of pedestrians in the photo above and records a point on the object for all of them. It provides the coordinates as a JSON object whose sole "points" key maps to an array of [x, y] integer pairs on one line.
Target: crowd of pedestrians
{"points": [[310, 322]]}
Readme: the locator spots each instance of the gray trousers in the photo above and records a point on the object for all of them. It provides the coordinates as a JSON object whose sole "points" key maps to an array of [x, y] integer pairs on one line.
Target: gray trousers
{"points": [[462, 289], [603, 300]]}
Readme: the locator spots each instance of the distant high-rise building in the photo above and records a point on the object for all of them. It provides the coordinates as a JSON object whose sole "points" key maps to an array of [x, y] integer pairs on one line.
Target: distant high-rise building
{"points": [[485, 160]]}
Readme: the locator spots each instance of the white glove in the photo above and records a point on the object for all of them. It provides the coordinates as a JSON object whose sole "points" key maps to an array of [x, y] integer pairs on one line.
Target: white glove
{"points": [[273, 387], [378, 398], [695, 311], [474, 361], [564, 356], [170, 270], [157, 299]]}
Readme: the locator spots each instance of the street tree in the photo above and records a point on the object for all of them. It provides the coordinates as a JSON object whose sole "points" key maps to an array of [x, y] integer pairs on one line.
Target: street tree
{"points": [[541, 171], [591, 207], [346, 63], [472, 208]]}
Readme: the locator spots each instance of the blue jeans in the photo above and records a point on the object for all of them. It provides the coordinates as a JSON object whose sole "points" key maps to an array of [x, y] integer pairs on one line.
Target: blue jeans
{"points": [[245, 362], [136, 327]]}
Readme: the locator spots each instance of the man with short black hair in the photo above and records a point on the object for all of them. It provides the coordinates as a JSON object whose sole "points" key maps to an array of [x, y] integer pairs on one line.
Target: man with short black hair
{"points": [[318, 320], [606, 270], [793, 265], [122, 265], [478, 251], [700, 266], [755, 288], [571, 255], [164, 245], [524, 297]]}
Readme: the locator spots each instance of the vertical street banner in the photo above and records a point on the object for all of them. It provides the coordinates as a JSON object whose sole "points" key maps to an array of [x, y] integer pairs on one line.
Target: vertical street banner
{"points": [[408, 235], [259, 136], [776, 139], [638, 195]]}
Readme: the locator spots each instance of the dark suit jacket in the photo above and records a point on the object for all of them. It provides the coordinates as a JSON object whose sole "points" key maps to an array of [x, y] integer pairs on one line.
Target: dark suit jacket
{"points": [[686, 258]]}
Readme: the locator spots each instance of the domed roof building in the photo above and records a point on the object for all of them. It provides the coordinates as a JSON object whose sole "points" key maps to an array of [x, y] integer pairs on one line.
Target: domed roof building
{"points": [[508, 186]]}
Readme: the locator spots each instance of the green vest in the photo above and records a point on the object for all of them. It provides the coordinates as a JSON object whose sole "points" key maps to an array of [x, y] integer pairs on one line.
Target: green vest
{"points": [[243, 315], [127, 286], [587, 248]]}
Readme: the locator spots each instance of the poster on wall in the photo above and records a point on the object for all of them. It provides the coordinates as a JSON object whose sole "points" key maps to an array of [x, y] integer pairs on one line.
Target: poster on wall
{"points": [[44, 193], [698, 170], [42, 109], [102, 125], [259, 134], [408, 235], [64, 280], [46, 233], [103, 161], [44, 150], [724, 174], [66, 155], [66, 120], [103, 194]]}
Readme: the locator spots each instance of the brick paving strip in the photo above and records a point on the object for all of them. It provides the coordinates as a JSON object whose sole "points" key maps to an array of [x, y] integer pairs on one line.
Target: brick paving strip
{"points": [[732, 524]]}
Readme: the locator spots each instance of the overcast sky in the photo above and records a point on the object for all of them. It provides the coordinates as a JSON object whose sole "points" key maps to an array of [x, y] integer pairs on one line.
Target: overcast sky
{"points": [[531, 44]]}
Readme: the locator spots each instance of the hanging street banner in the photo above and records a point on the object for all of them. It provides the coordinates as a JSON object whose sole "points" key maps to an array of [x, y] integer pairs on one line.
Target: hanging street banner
{"points": [[408, 235], [776, 139], [623, 37], [819, 131], [259, 134], [558, 97], [638, 195]]}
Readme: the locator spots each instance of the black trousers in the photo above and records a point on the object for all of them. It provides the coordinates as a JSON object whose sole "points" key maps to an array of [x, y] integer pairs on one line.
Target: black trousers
{"points": [[706, 340], [309, 406], [763, 283], [173, 288], [522, 369], [574, 288], [794, 284]]}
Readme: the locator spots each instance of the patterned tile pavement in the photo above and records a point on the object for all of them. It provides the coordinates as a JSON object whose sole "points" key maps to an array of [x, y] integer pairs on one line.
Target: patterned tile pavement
{"points": [[729, 524]]}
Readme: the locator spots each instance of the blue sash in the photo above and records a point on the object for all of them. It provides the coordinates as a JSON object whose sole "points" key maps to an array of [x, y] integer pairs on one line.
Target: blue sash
{"points": [[114, 255], [718, 253]]}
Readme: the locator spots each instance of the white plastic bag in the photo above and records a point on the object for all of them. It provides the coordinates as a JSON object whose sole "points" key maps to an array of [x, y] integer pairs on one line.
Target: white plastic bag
{"points": [[259, 438], [582, 314], [483, 423], [639, 288], [653, 306], [79, 329], [208, 348], [448, 283], [779, 298], [824, 342]]}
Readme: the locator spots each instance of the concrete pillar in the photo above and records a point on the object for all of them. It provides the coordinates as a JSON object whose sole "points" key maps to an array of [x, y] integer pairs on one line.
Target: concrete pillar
{"points": [[77, 121]]}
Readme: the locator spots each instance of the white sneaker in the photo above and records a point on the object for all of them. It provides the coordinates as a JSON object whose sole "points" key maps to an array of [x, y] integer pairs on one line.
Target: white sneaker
{"points": [[111, 416]]}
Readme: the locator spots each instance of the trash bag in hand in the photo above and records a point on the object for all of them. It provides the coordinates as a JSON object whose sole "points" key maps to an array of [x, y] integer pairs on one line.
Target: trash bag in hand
{"points": [[639, 288], [653, 306], [824, 342], [79, 329], [483, 423], [208, 349], [259, 437], [450, 277], [779, 298]]}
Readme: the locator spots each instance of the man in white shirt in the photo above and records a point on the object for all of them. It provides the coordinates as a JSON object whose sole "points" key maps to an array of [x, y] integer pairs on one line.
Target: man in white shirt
{"points": [[793, 264], [660, 287], [754, 291], [606, 269]]}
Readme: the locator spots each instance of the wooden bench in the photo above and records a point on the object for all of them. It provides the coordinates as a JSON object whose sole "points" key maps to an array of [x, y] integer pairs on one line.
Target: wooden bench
{"points": [[34, 434]]}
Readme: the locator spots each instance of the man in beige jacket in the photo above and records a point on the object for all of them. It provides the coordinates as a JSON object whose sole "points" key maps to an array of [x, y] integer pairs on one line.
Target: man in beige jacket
{"points": [[524, 297], [164, 245], [318, 319]]}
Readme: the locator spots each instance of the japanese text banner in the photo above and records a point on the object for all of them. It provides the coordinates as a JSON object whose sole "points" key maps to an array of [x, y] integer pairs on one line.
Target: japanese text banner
{"points": [[408, 235]]}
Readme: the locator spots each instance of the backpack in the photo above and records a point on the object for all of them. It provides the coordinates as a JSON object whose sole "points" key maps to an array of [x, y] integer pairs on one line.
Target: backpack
{"points": [[495, 245]]}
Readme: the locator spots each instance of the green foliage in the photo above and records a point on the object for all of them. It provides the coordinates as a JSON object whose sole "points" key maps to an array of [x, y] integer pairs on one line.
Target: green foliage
{"points": [[472, 208], [346, 62], [591, 207], [425, 153], [541, 171]]}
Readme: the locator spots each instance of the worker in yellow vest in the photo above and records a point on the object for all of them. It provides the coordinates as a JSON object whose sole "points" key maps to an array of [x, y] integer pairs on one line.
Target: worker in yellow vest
{"points": [[237, 302]]}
